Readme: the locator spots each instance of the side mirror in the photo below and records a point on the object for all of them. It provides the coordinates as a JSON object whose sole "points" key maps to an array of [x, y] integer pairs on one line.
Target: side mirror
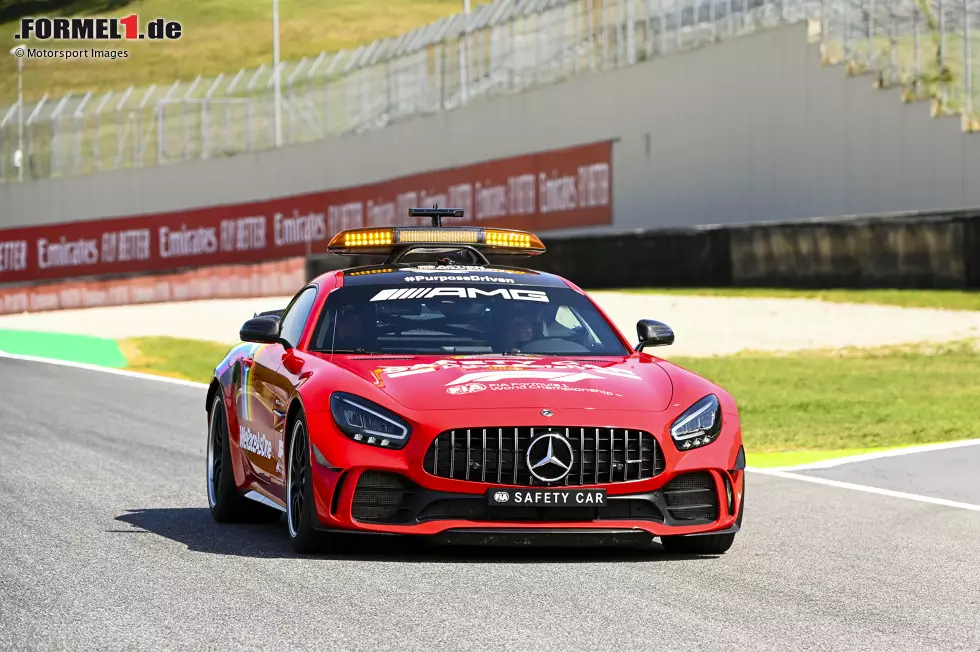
{"points": [[264, 330], [653, 333]]}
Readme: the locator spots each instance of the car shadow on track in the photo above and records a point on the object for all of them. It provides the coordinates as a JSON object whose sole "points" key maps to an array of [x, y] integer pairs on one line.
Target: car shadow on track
{"points": [[194, 527]]}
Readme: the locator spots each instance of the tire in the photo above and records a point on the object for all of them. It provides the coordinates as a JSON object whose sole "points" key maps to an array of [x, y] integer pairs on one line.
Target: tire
{"points": [[224, 501], [300, 510]]}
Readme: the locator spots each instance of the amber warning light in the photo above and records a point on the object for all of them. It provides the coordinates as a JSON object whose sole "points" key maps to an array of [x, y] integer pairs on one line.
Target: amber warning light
{"points": [[388, 240]]}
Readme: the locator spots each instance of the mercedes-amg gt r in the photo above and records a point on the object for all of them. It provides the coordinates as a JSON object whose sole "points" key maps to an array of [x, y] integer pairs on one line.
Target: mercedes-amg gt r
{"points": [[443, 395]]}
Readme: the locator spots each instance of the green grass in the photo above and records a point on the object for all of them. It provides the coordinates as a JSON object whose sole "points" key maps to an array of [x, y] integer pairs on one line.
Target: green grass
{"points": [[943, 299], [826, 403], [173, 357], [866, 399], [220, 36]]}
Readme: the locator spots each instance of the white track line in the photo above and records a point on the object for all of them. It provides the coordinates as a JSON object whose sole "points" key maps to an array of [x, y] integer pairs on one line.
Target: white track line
{"points": [[107, 370], [870, 490], [865, 457], [778, 473]]}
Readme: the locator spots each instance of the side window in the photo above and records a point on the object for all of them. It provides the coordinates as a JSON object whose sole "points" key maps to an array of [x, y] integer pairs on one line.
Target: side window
{"points": [[567, 318], [294, 319]]}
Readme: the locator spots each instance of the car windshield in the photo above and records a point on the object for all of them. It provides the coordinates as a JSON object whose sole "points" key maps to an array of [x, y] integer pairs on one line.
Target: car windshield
{"points": [[435, 319]]}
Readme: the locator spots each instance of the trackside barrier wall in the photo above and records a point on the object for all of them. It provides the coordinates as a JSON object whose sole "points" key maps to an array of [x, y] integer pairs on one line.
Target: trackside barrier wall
{"points": [[938, 250], [926, 250], [566, 188]]}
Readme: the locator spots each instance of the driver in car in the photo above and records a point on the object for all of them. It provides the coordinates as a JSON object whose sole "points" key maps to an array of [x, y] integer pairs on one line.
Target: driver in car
{"points": [[526, 324], [518, 333], [350, 333]]}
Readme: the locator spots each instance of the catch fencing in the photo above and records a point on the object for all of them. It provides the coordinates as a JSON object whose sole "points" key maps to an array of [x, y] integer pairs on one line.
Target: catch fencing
{"points": [[503, 47]]}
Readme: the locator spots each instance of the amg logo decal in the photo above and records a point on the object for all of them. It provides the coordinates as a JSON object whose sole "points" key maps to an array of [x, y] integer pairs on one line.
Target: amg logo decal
{"points": [[255, 442], [460, 293]]}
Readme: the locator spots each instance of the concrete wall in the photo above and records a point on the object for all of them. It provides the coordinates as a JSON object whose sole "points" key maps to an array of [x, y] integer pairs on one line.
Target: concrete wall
{"points": [[748, 130]]}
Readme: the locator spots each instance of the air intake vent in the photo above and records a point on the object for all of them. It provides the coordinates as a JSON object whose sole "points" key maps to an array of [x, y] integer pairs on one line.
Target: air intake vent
{"points": [[692, 497], [381, 498]]}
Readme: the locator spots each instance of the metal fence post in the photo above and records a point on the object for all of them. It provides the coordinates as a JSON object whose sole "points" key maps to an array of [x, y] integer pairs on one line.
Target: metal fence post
{"points": [[139, 150], [291, 109], [679, 24], [228, 94], [631, 32], [968, 64], [8, 117], [309, 83], [55, 163], [326, 90], [276, 74], [187, 135], [162, 122], [892, 43], [120, 132], [605, 35], [249, 108], [942, 54], [97, 142], [870, 57], [916, 69], [28, 158], [78, 117], [206, 117]]}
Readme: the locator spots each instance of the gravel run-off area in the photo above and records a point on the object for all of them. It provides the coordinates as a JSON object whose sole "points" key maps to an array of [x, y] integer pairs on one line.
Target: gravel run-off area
{"points": [[703, 326]]}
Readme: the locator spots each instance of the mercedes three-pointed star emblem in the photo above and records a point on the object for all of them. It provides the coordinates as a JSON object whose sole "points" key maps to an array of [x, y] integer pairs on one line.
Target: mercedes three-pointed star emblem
{"points": [[552, 455]]}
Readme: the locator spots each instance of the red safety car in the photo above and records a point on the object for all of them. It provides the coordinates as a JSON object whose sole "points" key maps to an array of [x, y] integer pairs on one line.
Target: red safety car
{"points": [[440, 394]]}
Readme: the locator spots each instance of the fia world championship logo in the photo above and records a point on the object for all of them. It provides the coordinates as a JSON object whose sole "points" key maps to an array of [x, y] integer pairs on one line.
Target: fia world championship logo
{"points": [[127, 28]]}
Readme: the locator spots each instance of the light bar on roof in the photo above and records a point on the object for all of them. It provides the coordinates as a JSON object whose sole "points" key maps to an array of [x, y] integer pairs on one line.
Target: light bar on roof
{"points": [[385, 241]]}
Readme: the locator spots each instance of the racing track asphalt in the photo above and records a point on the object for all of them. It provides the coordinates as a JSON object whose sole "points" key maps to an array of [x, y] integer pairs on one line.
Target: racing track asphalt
{"points": [[106, 543]]}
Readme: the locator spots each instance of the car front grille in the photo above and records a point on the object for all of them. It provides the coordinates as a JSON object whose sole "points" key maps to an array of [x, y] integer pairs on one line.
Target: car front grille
{"points": [[692, 497], [498, 455]]}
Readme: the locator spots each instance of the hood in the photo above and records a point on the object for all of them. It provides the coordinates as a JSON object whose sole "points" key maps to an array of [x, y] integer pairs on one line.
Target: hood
{"points": [[468, 382]]}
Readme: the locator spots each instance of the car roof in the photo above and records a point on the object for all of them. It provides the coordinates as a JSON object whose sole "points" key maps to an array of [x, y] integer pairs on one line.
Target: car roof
{"points": [[386, 274]]}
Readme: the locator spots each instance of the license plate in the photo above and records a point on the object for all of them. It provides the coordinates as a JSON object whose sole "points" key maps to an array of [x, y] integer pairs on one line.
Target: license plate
{"points": [[511, 497]]}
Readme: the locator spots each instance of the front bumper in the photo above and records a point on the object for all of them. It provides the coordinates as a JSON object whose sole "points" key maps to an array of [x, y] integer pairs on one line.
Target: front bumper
{"points": [[416, 503]]}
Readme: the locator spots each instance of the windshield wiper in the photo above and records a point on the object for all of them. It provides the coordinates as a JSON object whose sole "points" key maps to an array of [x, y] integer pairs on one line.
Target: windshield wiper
{"points": [[344, 351]]}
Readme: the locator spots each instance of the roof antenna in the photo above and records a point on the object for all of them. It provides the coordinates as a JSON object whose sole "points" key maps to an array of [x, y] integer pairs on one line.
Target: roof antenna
{"points": [[436, 218]]}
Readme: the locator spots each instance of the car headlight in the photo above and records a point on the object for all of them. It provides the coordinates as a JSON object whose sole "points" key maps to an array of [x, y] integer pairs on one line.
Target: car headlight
{"points": [[699, 425], [367, 422]]}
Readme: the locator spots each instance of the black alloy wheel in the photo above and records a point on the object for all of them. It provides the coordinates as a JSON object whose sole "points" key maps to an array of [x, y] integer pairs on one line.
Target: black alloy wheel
{"points": [[301, 513]]}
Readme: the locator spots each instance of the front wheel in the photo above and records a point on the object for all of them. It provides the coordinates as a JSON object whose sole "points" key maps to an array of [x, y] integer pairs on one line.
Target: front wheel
{"points": [[300, 510]]}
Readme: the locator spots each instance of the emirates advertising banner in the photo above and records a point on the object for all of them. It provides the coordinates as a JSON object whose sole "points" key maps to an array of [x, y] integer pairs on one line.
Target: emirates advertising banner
{"points": [[538, 192]]}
